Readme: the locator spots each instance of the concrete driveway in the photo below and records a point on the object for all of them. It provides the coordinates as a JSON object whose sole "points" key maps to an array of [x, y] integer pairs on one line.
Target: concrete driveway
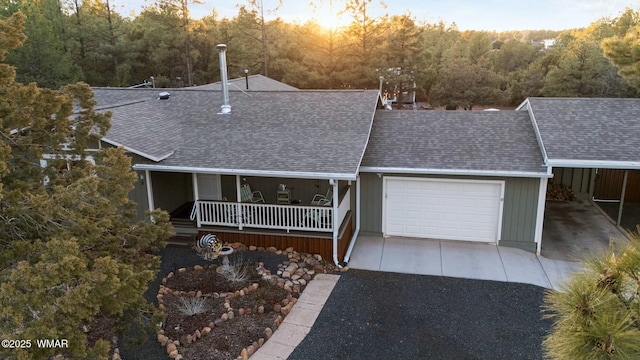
{"points": [[459, 259], [573, 229]]}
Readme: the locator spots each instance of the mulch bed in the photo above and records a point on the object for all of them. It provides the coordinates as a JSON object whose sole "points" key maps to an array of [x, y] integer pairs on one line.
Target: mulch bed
{"points": [[172, 260], [210, 313]]}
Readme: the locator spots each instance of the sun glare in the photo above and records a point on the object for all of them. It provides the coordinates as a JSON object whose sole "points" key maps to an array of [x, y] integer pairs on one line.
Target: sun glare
{"points": [[328, 21]]}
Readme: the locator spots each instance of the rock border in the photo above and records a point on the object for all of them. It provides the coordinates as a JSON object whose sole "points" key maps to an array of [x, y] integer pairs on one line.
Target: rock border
{"points": [[293, 275]]}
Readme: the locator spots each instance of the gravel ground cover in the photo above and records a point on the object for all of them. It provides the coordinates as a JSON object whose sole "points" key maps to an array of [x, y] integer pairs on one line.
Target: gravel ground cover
{"points": [[376, 315], [172, 260]]}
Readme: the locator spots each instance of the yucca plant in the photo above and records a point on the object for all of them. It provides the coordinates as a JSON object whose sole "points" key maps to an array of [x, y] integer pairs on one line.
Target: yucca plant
{"points": [[240, 271], [596, 315], [190, 306]]}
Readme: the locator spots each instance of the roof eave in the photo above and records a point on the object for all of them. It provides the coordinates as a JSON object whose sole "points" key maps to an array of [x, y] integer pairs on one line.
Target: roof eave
{"points": [[366, 145], [527, 105], [247, 172], [138, 152], [423, 171], [593, 164]]}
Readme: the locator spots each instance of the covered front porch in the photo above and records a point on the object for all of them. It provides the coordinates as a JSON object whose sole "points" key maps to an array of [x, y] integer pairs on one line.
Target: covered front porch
{"points": [[309, 215]]}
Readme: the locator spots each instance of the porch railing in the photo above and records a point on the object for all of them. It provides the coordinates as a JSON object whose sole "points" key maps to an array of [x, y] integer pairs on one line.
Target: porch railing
{"points": [[264, 216]]}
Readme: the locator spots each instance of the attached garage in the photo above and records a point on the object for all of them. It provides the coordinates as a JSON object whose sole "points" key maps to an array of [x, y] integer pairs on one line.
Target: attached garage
{"points": [[454, 175], [449, 209]]}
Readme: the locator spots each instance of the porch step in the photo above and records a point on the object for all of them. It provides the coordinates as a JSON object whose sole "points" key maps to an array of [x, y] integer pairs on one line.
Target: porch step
{"points": [[182, 222], [181, 241]]}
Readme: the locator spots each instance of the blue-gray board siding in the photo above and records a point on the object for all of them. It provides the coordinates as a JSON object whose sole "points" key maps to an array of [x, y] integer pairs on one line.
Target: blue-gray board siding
{"points": [[519, 209], [139, 195], [575, 178], [139, 192]]}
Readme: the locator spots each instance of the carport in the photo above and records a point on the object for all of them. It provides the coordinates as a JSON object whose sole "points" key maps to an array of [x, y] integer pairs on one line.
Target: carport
{"points": [[617, 193], [582, 140], [573, 229]]}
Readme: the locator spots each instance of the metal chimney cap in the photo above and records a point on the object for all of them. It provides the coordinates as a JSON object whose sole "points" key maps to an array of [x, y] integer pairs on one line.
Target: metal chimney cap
{"points": [[221, 47]]}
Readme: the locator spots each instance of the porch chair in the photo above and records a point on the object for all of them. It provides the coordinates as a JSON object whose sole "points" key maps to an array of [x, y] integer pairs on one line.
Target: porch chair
{"points": [[246, 195], [318, 217], [323, 200]]}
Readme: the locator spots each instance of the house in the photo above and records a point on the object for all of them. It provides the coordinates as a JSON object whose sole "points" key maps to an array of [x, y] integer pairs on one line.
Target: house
{"points": [[252, 175], [186, 152]]}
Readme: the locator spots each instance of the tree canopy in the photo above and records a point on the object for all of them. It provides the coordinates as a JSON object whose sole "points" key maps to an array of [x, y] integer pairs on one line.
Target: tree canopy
{"points": [[88, 40], [596, 315], [73, 265]]}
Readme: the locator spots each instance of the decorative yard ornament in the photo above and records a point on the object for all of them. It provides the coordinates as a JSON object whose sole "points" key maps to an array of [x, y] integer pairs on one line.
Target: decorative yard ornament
{"points": [[209, 247]]}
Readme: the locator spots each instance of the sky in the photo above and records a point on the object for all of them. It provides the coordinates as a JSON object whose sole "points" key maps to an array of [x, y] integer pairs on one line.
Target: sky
{"points": [[490, 15]]}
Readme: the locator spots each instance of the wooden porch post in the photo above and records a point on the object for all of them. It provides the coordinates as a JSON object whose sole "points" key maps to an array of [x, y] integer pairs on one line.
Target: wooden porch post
{"points": [[238, 200], [196, 197], [623, 192]]}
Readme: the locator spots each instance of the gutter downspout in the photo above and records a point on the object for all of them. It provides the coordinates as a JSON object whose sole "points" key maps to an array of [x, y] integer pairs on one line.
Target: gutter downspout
{"points": [[150, 201], [352, 243], [334, 220], [542, 200]]}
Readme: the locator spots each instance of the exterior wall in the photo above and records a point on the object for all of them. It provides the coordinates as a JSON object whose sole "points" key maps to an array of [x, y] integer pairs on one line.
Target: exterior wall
{"points": [[139, 192], [301, 189], [228, 184], [139, 195], [519, 208], [370, 203], [578, 180], [608, 185]]}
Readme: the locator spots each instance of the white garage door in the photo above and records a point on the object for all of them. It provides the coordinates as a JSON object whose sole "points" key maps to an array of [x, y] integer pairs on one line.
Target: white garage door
{"points": [[466, 210]]}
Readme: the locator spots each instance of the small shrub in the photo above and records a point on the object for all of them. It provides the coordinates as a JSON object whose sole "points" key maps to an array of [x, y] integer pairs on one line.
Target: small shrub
{"points": [[190, 306], [239, 272]]}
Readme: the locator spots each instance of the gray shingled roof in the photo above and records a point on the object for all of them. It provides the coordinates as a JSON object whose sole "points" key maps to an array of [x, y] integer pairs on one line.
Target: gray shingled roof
{"points": [[589, 129], [321, 132], [256, 83], [495, 141]]}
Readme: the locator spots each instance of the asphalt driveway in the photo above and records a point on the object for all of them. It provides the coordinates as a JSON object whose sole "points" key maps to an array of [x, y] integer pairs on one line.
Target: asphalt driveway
{"points": [[377, 315]]}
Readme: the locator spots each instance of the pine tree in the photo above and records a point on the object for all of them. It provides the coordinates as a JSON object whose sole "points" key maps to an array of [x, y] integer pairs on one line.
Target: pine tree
{"points": [[597, 314], [72, 264]]}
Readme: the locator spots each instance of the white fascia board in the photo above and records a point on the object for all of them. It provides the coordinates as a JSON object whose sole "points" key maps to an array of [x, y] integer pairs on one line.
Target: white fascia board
{"points": [[137, 152], [366, 144], [523, 105], [592, 164], [391, 170], [527, 105], [246, 172]]}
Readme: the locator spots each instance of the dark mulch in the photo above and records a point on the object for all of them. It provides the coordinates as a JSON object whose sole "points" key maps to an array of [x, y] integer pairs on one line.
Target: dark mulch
{"points": [[172, 260], [375, 315]]}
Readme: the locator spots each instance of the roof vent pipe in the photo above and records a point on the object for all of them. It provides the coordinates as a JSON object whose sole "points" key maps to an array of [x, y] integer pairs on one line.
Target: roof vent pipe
{"points": [[225, 108]]}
